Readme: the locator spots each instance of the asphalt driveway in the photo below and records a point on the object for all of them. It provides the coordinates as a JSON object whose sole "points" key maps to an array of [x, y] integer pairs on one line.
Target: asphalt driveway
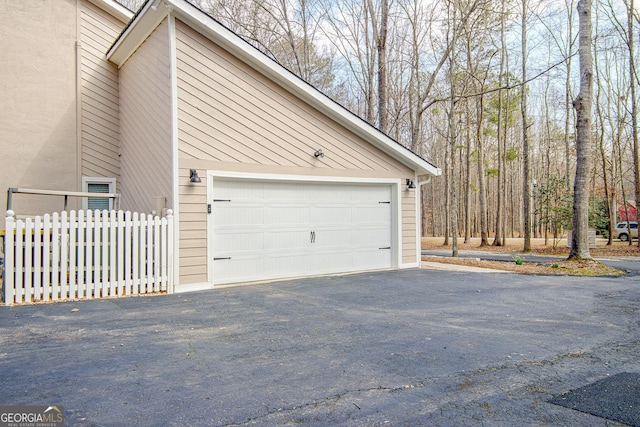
{"points": [[411, 347]]}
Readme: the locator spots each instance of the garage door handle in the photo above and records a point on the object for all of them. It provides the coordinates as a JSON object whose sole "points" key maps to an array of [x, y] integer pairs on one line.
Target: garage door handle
{"points": [[219, 259], [313, 237], [386, 247]]}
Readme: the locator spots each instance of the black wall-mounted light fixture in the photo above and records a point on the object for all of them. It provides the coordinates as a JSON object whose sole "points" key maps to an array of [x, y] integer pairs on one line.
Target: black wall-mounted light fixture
{"points": [[193, 176], [318, 153], [410, 184]]}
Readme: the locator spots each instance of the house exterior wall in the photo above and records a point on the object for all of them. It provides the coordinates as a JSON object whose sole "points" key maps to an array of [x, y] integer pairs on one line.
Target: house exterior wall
{"points": [[231, 118], [145, 120], [99, 91], [38, 102]]}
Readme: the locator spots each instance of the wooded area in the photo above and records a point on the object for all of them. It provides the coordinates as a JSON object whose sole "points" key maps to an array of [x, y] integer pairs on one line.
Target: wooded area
{"points": [[488, 91]]}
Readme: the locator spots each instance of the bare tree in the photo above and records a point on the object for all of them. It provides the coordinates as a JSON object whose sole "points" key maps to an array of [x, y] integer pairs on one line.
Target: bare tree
{"points": [[380, 26], [634, 104], [526, 180], [582, 105]]}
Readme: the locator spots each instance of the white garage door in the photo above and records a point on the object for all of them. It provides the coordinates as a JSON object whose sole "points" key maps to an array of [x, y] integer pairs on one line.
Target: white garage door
{"points": [[266, 230]]}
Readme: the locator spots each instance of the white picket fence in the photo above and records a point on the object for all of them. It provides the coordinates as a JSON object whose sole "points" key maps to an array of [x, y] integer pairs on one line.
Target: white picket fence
{"points": [[86, 255]]}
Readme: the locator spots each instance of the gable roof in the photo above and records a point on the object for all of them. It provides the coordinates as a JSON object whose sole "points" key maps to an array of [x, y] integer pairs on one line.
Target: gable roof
{"points": [[153, 12]]}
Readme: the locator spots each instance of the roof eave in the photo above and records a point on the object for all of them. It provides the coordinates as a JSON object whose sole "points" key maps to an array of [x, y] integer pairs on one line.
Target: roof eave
{"points": [[145, 21], [115, 9]]}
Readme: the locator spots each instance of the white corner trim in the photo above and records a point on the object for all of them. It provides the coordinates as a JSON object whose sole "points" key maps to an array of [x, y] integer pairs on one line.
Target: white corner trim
{"points": [[175, 172], [300, 178]]}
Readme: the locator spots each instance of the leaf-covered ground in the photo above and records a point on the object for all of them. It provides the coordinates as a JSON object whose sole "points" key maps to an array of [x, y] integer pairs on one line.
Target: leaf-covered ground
{"points": [[514, 247]]}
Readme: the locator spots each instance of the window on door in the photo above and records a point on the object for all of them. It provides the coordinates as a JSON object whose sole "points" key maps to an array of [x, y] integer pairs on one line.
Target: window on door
{"points": [[98, 185]]}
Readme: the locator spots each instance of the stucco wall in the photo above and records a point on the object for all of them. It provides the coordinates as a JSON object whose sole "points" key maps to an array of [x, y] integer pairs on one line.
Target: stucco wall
{"points": [[38, 103]]}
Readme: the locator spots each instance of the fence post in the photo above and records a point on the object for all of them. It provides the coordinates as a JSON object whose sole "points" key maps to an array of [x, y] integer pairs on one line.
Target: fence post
{"points": [[170, 251], [8, 275]]}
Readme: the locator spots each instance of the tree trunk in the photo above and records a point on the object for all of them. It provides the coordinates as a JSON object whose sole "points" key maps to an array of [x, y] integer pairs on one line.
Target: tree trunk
{"points": [[634, 107], [498, 240], [526, 184], [582, 105], [484, 227], [452, 142], [567, 87]]}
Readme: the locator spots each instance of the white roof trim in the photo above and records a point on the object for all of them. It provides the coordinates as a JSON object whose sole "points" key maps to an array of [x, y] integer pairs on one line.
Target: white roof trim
{"points": [[155, 11], [115, 9]]}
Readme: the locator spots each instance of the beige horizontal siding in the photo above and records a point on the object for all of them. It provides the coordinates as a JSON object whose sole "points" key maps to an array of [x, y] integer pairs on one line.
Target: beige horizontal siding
{"points": [[145, 103], [230, 113], [99, 97], [409, 225], [193, 228]]}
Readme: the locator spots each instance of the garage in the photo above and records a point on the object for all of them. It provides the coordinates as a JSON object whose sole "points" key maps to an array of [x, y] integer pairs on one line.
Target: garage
{"points": [[262, 229]]}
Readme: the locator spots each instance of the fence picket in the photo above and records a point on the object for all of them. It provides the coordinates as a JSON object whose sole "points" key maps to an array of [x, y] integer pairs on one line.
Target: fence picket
{"points": [[90, 255], [55, 257], [127, 253], [163, 255], [28, 262], [135, 230], [19, 271], [143, 254], [149, 266], [82, 247], [9, 259], [119, 250], [104, 252], [73, 227], [156, 254], [64, 254], [46, 259], [113, 280], [38, 293]]}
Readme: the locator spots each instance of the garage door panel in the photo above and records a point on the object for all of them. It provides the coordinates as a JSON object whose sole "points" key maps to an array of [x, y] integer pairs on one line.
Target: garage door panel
{"points": [[285, 192], [323, 193], [370, 193], [332, 262], [372, 238], [229, 214], [331, 214], [287, 239], [239, 191], [287, 265], [233, 242], [380, 214], [286, 214], [336, 238], [239, 269], [371, 259]]}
